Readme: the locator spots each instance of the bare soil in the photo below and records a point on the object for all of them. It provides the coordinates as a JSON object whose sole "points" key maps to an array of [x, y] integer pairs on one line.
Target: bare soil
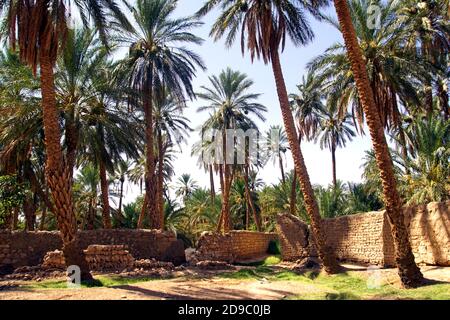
{"points": [[195, 285]]}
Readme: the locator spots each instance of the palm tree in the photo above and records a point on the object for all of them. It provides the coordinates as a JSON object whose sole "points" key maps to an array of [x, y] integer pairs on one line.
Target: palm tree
{"points": [[38, 44], [394, 70], [157, 59], [86, 195], [264, 27], [334, 132], [231, 102], [428, 179], [97, 130], [410, 274], [171, 128], [307, 103], [122, 170], [426, 28], [185, 186], [277, 146], [200, 149]]}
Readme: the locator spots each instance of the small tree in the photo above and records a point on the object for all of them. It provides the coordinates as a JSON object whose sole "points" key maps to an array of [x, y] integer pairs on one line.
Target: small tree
{"points": [[12, 195]]}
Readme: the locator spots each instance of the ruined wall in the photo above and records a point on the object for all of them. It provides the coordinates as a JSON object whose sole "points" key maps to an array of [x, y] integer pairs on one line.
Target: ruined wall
{"points": [[366, 237], [360, 238], [234, 246], [429, 227], [29, 248], [295, 238]]}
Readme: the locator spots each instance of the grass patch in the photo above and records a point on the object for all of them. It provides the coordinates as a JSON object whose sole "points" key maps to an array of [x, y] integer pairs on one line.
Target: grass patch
{"points": [[100, 281], [268, 261], [344, 286]]}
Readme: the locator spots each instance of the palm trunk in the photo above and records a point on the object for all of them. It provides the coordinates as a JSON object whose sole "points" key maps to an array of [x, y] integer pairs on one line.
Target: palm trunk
{"points": [[410, 274], [91, 217], [212, 187], [14, 222], [150, 187], [58, 177], [293, 200], [222, 190], [29, 210], [333, 163], [71, 141], [325, 252], [250, 200], [122, 181], [160, 187], [280, 161], [43, 216], [225, 212], [106, 215], [428, 83]]}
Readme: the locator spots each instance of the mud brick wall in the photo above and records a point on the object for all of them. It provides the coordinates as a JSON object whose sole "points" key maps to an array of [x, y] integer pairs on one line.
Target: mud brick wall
{"points": [[234, 246], [360, 238], [429, 228], [366, 237], [295, 238], [29, 248]]}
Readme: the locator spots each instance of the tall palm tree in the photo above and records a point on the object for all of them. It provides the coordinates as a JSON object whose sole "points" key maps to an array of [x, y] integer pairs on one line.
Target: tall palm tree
{"points": [[97, 130], [394, 71], [426, 27], [275, 150], [185, 186], [206, 147], [157, 59], [335, 130], [265, 25], [38, 28], [410, 274], [306, 103], [230, 100], [171, 128], [121, 171]]}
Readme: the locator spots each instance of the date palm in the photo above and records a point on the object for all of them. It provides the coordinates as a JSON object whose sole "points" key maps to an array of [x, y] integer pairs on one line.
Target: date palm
{"points": [[97, 130], [38, 29], [426, 27], [276, 147], [410, 274], [230, 102], [157, 58], [334, 131], [394, 71], [306, 103], [264, 26], [185, 186], [172, 128]]}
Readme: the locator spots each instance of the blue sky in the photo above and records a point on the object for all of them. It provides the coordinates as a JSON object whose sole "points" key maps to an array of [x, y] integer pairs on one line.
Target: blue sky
{"points": [[294, 60]]}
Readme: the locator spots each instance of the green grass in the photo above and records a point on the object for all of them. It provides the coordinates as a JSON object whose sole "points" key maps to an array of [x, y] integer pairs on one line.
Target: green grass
{"points": [[268, 261], [100, 281], [344, 286]]}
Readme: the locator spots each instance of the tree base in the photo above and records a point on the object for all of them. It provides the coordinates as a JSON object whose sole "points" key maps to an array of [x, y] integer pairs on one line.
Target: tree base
{"points": [[73, 254], [410, 274]]}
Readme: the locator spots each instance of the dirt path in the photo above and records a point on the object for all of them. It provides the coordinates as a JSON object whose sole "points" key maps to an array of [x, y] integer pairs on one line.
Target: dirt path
{"points": [[189, 288], [171, 289]]}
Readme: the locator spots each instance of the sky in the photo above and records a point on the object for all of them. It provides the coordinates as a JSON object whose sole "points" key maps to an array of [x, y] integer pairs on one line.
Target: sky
{"points": [[294, 60]]}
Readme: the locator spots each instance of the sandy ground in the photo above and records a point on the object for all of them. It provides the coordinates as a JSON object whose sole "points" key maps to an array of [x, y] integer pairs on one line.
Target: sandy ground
{"points": [[189, 288]]}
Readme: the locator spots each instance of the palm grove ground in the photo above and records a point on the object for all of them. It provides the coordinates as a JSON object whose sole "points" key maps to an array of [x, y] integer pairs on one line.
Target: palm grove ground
{"points": [[269, 280]]}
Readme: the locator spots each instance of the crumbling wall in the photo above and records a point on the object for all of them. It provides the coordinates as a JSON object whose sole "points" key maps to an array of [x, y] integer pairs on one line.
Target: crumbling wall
{"points": [[366, 237], [295, 238], [29, 248], [234, 246]]}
